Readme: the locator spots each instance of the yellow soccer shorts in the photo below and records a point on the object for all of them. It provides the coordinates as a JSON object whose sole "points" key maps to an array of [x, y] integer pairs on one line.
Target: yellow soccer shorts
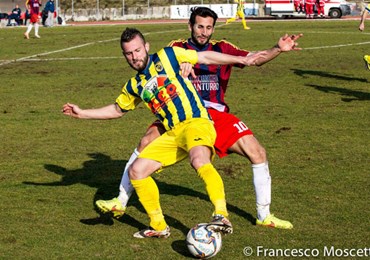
{"points": [[240, 14], [175, 144]]}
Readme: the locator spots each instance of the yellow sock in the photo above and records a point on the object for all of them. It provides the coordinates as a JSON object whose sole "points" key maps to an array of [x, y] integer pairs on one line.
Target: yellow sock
{"points": [[244, 24], [148, 193], [230, 20], [214, 187]]}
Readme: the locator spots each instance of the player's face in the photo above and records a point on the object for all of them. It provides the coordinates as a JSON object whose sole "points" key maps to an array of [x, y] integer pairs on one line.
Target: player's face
{"points": [[202, 30], [136, 53]]}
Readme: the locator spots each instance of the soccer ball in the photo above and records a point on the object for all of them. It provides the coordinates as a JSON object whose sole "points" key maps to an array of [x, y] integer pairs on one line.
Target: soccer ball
{"points": [[203, 242]]}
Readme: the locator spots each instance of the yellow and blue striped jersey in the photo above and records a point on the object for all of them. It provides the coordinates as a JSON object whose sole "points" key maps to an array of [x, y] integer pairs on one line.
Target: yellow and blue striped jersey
{"points": [[367, 8], [240, 6], [170, 97]]}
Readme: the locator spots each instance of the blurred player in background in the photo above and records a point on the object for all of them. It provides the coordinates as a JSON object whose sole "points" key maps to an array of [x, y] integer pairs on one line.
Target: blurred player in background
{"points": [[16, 15], [361, 27], [34, 7], [239, 14], [309, 4], [298, 6], [320, 6], [233, 135]]}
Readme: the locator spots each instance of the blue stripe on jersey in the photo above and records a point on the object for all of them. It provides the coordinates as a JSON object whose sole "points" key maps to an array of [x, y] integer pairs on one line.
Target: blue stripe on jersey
{"points": [[181, 113], [204, 68], [139, 87], [206, 95], [178, 104], [130, 89], [155, 58], [204, 71], [176, 67], [190, 95], [146, 71], [217, 48]]}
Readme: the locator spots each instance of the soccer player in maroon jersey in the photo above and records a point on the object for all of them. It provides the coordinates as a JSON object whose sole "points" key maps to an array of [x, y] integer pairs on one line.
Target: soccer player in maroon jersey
{"points": [[34, 7], [233, 135], [361, 27]]}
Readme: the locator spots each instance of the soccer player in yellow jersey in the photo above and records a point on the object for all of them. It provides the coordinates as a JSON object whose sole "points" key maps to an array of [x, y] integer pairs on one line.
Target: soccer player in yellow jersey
{"points": [[361, 27], [239, 14], [177, 104]]}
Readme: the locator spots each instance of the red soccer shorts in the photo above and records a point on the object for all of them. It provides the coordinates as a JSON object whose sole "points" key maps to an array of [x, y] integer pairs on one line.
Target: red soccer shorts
{"points": [[229, 129], [34, 18]]}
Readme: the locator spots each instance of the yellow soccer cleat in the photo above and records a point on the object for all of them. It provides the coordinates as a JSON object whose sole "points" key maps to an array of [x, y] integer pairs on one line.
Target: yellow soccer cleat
{"points": [[367, 61], [274, 222], [113, 206]]}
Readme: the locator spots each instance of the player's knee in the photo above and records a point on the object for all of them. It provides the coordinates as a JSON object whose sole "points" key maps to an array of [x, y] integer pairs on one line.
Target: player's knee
{"points": [[199, 161], [135, 172], [197, 164], [132, 173], [258, 155], [144, 142], [151, 134], [199, 156]]}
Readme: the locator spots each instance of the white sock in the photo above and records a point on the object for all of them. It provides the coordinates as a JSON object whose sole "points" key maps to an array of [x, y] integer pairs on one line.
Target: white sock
{"points": [[29, 28], [262, 187], [125, 187], [36, 29]]}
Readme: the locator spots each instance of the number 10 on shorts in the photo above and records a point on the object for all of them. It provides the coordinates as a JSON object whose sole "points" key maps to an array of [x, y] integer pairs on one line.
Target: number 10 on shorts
{"points": [[241, 127]]}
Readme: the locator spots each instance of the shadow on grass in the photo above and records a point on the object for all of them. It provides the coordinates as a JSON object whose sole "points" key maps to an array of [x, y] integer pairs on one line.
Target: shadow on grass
{"points": [[104, 174], [350, 95], [304, 73], [181, 248]]}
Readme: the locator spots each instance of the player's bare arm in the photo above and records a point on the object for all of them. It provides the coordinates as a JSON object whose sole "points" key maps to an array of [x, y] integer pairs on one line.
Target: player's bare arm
{"points": [[286, 43], [108, 112], [212, 57]]}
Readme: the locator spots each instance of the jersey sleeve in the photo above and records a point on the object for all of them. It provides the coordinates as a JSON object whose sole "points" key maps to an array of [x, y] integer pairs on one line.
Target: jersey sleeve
{"points": [[183, 55], [126, 100], [367, 7], [232, 49], [178, 43], [229, 48]]}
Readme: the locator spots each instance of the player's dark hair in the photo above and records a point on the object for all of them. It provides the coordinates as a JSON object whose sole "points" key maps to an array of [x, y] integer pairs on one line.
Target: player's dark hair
{"points": [[203, 12], [129, 34]]}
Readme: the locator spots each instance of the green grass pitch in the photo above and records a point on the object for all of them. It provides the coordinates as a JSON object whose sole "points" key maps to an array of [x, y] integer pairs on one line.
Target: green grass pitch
{"points": [[310, 109]]}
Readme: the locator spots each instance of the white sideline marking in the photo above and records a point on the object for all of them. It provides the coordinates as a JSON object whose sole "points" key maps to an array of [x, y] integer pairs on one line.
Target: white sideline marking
{"points": [[336, 46], [75, 58], [34, 57], [44, 54]]}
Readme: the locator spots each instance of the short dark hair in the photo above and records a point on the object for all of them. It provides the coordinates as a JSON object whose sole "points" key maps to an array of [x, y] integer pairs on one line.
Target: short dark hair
{"points": [[203, 12], [130, 33]]}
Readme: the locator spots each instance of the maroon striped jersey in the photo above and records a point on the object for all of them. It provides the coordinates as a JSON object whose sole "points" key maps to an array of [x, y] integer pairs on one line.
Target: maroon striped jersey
{"points": [[212, 80]]}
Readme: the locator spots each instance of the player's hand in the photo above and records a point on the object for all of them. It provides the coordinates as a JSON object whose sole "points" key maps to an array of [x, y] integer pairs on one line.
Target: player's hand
{"points": [[252, 57], [71, 110], [186, 69], [289, 42]]}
